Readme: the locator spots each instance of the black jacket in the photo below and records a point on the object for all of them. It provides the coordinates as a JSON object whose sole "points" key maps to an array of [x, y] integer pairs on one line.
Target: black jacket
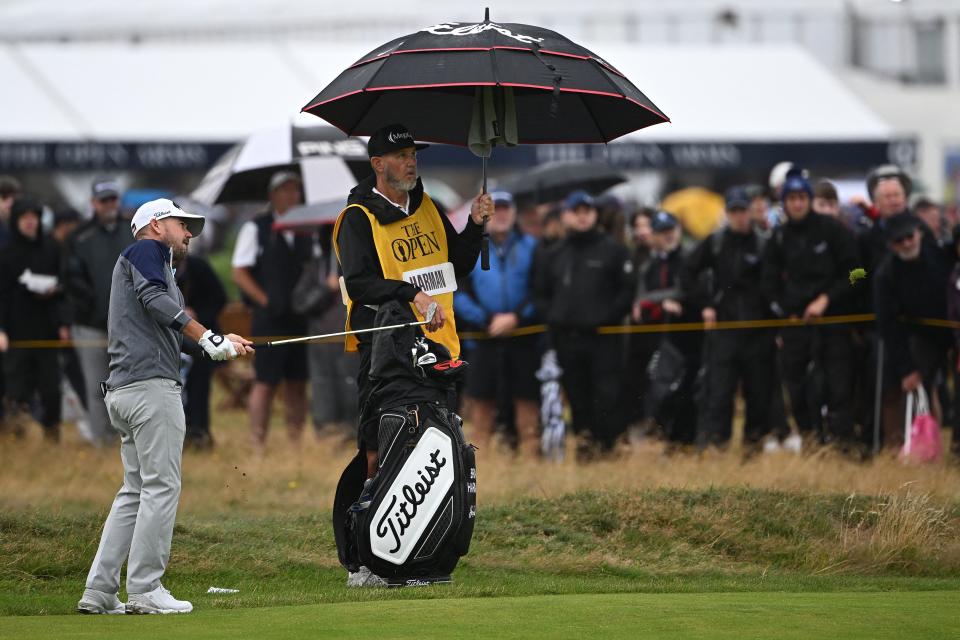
{"points": [[584, 281], [202, 290], [25, 315], [659, 280], [92, 253], [910, 290], [807, 258], [872, 245], [732, 264], [358, 254], [278, 268]]}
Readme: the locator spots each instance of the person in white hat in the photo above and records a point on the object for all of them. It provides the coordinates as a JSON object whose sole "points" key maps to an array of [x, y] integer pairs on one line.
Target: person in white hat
{"points": [[145, 328]]}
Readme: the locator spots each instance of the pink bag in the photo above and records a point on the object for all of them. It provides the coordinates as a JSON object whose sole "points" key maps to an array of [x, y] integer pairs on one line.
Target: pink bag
{"points": [[921, 433]]}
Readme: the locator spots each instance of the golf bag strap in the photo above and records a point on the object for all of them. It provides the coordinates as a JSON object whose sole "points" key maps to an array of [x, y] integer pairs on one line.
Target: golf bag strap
{"points": [[348, 488]]}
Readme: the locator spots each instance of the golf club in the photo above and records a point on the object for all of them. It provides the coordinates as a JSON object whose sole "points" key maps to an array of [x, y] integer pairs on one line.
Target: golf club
{"points": [[431, 311]]}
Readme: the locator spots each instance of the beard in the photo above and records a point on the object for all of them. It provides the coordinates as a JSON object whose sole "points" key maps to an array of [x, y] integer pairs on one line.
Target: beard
{"points": [[178, 249], [399, 183]]}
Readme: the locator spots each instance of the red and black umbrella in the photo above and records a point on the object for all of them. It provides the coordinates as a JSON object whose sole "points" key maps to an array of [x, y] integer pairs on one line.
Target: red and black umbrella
{"points": [[428, 80], [485, 84]]}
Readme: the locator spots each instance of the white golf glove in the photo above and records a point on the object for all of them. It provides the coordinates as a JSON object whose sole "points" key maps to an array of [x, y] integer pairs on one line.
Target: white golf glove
{"points": [[217, 346]]}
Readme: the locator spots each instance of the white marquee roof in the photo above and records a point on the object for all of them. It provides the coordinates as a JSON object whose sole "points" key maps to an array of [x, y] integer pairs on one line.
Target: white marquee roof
{"points": [[210, 91]]}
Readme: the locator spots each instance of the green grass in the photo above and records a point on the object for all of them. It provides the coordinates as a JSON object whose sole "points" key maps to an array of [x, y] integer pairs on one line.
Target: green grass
{"points": [[717, 615], [663, 563]]}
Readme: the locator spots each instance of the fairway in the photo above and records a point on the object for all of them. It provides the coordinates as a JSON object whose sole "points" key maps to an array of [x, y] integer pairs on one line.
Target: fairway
{"points": [[709, 615]]}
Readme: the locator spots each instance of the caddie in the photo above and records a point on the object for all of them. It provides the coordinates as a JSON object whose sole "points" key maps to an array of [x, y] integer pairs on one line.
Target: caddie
{"points": [[145, 328], [394, 244]]}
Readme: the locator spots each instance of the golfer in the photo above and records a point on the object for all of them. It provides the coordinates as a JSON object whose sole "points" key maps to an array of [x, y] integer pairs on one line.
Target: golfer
{"points": [[145, 329]]}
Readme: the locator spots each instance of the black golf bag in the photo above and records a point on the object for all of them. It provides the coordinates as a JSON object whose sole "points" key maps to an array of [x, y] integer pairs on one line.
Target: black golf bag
{"points": [[422, 500]]}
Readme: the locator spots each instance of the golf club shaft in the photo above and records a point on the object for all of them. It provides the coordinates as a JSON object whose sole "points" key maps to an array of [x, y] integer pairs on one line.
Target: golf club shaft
{"points": [[274, 343]]}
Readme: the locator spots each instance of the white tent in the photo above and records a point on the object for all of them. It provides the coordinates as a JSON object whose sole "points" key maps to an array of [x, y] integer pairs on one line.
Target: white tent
{"points": [[745, 94], [211, 91]]}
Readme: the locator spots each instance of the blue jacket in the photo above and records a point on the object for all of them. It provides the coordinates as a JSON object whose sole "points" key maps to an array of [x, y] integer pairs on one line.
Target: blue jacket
{"points": [[504, 288]]}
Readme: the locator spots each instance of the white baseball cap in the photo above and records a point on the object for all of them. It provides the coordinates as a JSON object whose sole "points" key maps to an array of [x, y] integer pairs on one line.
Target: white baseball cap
{"points": [[164, 208]]}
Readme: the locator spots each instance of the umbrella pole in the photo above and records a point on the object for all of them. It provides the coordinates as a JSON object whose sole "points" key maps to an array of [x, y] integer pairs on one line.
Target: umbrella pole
{"points": [[485, 237]]}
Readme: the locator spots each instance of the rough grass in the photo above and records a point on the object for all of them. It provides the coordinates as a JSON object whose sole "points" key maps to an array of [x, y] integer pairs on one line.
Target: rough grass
{"points": [[653, 540], [302, 476]]}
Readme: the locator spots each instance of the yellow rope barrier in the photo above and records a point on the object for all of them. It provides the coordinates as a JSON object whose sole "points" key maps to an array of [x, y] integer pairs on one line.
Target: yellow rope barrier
{"points": [[665, 327]]}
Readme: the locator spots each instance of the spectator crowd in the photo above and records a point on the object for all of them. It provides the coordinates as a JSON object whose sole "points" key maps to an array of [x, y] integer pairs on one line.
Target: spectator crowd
{"points": [[650, 331]]}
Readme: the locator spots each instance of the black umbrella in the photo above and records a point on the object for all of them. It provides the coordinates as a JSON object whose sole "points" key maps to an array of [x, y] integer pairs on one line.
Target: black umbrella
{"points": [[428, 80], [485, 84], [553, 181]]}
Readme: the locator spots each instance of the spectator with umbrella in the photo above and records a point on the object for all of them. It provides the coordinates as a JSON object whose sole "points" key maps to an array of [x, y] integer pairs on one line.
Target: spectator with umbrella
{"points": [[486, 84], [393, 244]]}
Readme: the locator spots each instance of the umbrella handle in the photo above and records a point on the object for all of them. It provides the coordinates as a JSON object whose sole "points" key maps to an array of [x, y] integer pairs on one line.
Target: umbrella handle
{"points": [[484, 237]]}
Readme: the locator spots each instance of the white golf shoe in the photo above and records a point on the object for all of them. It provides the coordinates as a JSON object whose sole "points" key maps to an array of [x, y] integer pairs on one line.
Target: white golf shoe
{"points": [[363, 577], [94, 601], [157, 601]]}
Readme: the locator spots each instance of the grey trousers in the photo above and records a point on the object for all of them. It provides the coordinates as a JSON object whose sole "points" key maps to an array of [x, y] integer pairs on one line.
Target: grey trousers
{"points": [[95, 363], [149, 417]]}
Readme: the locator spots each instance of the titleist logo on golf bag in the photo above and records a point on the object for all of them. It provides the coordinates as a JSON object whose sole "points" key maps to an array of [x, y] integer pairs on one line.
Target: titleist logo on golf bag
{"points": [[416, 517], [413, 498]]}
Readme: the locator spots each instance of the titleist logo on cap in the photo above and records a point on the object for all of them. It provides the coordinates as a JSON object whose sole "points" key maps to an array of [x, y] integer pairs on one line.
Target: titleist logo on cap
{"points": [[399, 136]]}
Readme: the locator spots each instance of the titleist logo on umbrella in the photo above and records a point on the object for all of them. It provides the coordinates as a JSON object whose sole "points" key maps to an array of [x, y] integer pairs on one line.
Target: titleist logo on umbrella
{"points": [[456, 29]]}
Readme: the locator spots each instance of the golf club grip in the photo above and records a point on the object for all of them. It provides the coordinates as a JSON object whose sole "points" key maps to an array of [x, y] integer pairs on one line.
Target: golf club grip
{"points": [[485, 252]]}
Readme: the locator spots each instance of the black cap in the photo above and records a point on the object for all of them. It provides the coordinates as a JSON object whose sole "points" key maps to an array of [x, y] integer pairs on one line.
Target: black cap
{"points": [[105, 188], [65, 215], [737, 198], [663, 221], [392, 137], [578, 198], [900, 226]]}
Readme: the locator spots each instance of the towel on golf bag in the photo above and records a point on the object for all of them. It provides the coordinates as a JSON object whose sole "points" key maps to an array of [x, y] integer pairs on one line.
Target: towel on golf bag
{"points": [[423, 497]]}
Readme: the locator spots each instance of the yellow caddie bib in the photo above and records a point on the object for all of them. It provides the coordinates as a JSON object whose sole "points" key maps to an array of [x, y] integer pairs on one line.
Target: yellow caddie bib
{"points": [[414, 250]]}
